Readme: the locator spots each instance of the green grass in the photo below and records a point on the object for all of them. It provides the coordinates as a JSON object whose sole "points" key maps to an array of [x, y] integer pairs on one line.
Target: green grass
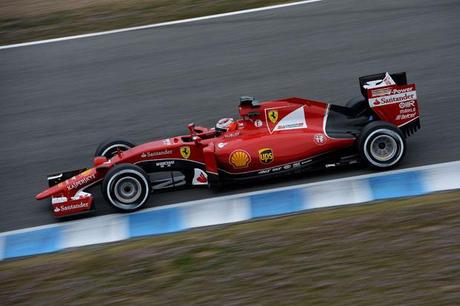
{"points": [[31, 20], [402, 252]]}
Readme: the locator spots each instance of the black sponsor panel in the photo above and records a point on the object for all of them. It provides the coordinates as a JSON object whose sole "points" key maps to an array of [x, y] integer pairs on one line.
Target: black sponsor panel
{"points": [[54, 179], [169, 165]]}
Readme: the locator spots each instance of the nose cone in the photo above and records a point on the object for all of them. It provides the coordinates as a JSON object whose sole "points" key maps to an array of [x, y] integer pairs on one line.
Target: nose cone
{"points": [[43, 195], [48, 192]]}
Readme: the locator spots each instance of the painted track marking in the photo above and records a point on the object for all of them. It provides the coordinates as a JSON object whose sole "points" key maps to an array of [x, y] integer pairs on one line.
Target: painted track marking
{"points": [[156, 25]]}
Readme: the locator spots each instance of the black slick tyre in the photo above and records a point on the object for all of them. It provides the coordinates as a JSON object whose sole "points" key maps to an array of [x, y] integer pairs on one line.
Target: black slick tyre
{"points": [[110, 147], [381, 145], [126, 187]]}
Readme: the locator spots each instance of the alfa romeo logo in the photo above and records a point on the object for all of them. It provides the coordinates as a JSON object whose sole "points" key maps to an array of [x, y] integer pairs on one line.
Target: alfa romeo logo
{"points": [[319, 139]]}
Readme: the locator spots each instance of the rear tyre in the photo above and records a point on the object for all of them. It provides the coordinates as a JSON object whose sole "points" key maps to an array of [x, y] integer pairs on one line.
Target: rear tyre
{"points": [[381, 145], [127, 187], [110, 147]]}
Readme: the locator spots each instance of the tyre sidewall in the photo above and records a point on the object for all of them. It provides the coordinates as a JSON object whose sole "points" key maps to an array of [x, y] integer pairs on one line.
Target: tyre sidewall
{"points": [[124, 172], [372, 131]]}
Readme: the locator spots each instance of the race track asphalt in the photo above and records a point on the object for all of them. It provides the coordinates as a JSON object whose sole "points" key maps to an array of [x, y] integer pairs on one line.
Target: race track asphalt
{"points": [[59, 100]]}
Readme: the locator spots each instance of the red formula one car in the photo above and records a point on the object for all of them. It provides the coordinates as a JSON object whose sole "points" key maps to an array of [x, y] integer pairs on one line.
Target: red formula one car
{"points": [[271, 138]]}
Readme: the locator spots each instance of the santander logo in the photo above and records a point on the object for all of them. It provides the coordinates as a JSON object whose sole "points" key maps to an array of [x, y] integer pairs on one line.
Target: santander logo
{"points": [[199, 177], [202, 178]]}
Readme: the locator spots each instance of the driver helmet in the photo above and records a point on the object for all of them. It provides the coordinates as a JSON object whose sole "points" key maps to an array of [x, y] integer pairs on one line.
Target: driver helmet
{"points": [[224, 125]]}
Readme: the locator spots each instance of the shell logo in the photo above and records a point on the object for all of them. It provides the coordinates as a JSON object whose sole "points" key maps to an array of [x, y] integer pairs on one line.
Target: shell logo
{"points": [[239, 159]]}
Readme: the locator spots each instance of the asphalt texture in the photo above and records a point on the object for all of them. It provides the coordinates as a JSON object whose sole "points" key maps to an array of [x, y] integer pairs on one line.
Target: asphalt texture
{"points": [[59, 100]]}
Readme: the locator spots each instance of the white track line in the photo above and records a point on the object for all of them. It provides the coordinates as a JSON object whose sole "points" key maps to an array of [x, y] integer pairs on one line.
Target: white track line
{"points": [[156, 25]]}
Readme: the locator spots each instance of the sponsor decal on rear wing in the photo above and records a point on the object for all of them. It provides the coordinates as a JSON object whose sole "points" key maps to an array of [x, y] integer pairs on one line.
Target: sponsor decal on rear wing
{"points": [[394, 103]]}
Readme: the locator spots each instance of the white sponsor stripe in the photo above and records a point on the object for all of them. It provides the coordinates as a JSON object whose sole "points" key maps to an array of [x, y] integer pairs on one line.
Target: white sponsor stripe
{"points": [[93, 231], [293, 121], [157, 25]]}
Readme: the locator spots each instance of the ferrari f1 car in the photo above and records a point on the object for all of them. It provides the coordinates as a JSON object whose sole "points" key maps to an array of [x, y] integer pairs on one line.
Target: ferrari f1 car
{"points": [[271, 138]]}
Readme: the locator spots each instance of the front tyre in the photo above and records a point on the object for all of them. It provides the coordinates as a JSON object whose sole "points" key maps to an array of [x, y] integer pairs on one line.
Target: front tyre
{"points": [[110, 147], [127, 187], [381, 145]]}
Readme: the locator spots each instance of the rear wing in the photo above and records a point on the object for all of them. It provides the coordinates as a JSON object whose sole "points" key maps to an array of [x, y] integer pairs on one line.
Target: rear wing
{"points": [[392, 100], [399, 78]]}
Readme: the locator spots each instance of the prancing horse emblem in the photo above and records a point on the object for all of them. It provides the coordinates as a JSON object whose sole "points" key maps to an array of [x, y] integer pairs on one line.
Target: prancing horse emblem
{"points": [[185, 152], [273, 116]]}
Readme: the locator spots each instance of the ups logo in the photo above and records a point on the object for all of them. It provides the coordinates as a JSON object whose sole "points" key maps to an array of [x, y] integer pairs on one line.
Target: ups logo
{"points": [[266, 156]]}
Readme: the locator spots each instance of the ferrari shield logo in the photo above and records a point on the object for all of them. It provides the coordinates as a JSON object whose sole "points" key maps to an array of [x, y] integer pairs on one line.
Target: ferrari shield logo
{"points": [[185, 152], [273, 116], [266, 155]]}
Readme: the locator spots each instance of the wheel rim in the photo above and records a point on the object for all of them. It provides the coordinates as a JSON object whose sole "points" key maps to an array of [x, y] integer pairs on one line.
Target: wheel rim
{"points": [[127, 190], [383, 148], [399, 148]]}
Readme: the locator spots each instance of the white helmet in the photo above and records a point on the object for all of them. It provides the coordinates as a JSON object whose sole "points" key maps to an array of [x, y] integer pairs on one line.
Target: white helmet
{"points": [[223, 124]]}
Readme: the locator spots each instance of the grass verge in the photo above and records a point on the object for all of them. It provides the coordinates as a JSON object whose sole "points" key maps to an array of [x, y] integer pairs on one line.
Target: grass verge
{"points": [[403, 252], [29, 20]]}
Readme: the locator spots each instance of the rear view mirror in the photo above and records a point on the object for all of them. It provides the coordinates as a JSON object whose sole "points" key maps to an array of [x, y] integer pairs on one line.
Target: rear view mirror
{"points": [[191, 128]]}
